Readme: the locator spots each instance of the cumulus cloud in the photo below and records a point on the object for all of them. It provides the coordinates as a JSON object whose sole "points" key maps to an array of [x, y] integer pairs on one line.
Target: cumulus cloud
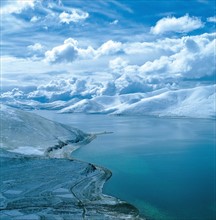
{"points": [[179, 25], [75, 15], [191, 58], [70, 51], [66, 89], [212, 19], [191, 45], [128, 83], [117, 63], [87, 53], [194, 60], [14, 93], [108, 48], [36, 47], [67, 52], [36, 50]]}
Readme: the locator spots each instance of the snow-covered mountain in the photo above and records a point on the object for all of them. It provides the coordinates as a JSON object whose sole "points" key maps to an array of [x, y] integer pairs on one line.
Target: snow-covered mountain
{"points": [[197, 102]]}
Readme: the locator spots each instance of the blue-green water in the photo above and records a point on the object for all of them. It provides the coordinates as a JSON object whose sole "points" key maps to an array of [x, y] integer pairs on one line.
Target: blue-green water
{"points": [[165, 167]]}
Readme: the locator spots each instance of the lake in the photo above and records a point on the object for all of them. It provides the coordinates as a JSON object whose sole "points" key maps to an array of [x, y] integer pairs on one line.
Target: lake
{"points": [[165, 167]]}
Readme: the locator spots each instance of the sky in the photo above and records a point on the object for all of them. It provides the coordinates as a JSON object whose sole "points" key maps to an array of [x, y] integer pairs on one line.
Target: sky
{"points": [[90, 46]]}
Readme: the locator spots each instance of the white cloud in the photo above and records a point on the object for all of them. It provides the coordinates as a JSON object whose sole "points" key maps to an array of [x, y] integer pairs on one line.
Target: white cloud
{"points": [[158, 66], [191, 57], [36, 47], [194, 60], [66, 89], [75, 15], [179, 25], [34, 19], [26, 72], [36, 51], [212, 19], [115, 22], [70, 51], [118, 65], [186, 57], [67, 52], [14, 93], [110, 47], [87, 53], [17, 6]]}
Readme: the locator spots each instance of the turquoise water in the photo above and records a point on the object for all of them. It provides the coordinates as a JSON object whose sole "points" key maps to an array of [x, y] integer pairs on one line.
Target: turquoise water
{"points": [[165, 167]]}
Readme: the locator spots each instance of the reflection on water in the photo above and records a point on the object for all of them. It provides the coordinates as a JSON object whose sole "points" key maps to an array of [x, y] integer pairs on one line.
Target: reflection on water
{"points": [[165, 167]]}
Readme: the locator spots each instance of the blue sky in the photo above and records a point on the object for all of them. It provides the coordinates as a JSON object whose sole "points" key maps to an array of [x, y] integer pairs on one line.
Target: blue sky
{"points": [[44, 41], [135, 18]]}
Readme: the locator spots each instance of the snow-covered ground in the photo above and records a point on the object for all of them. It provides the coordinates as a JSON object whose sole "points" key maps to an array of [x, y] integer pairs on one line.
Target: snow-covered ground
{"points": [[30, 134]]}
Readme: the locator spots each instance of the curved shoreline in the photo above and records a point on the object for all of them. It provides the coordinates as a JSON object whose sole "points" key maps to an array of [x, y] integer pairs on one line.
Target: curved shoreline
{"points": [[89, 190]]}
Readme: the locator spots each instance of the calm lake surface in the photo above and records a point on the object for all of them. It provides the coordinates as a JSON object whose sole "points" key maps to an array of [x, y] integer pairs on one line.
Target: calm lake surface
{"points": [[165, 167]]}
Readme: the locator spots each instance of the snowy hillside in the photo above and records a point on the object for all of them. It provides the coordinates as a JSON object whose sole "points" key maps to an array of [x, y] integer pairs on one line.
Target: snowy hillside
{"points": [[197, 102], [28, 133], [87, 106]]}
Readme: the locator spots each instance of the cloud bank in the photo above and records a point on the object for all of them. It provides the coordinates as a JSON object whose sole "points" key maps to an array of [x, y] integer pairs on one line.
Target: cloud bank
{"points": [[187, 57]]}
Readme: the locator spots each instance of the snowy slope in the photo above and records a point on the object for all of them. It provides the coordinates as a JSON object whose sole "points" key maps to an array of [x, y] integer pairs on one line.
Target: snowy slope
{"points": [[86, 105], [198, 102], [28, 133]]}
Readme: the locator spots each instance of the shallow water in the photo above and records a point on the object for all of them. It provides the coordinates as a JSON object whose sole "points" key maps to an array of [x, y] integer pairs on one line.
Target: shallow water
{"points": [[165, 167]]}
